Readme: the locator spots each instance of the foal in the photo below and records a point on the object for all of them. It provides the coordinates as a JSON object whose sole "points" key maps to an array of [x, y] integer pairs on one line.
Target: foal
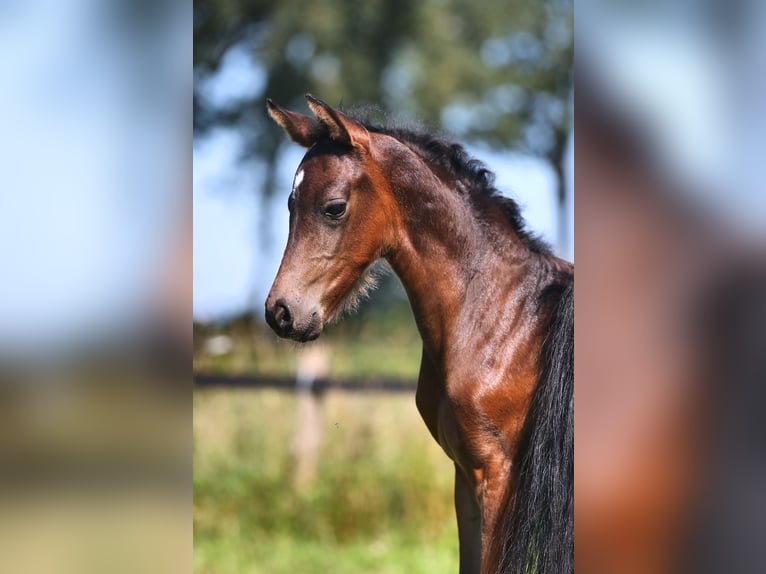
{"points": [[493, 306]]}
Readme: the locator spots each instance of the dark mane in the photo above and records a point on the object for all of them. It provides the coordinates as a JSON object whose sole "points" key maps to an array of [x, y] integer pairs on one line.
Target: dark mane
{"points": [[473, 174]]}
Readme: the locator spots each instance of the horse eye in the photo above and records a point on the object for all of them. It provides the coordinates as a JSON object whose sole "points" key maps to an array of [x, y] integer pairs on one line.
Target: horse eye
{"points": [[335, 209]]}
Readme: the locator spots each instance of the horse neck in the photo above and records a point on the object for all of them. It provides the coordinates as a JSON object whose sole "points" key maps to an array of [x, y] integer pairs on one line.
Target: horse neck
{"points": [[445, 255]]}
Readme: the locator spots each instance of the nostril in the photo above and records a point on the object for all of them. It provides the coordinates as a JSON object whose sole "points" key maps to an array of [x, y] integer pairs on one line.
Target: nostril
{"points": [[282, 314]]}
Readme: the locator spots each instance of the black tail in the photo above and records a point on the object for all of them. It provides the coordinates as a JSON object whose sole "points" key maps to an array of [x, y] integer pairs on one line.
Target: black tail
{"points": [[539, 536]]}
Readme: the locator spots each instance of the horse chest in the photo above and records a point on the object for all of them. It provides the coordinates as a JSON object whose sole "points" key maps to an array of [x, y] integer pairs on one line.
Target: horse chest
{"points": [[463, 449], [437, 413], [448, 433]]}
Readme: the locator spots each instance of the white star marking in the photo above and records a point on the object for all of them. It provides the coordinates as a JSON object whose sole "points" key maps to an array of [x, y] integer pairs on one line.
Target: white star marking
{"points": [[297, 182]]}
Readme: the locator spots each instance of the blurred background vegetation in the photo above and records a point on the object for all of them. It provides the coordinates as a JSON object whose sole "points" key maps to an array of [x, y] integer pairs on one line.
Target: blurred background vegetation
{"points": [[381, 502], [492, 73], [497, 71]]}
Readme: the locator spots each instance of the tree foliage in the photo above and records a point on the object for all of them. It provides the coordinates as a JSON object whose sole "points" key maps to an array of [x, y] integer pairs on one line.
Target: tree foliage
{"points": [[498, 71]]}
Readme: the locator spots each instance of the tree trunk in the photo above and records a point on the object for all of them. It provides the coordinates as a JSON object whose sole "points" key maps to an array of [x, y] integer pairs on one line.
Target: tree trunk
{"points": [[556, 159]]}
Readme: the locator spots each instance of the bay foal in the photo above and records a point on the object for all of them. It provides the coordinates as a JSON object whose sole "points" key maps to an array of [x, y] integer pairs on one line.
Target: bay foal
{"points": [[493, 306]]}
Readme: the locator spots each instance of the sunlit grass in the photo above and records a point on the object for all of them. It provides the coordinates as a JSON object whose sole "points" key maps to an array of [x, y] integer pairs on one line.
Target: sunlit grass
{"points": [[382, 500]]}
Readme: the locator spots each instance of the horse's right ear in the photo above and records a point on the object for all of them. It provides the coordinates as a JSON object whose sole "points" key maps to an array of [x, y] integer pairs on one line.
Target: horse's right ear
{"points": [[340, 127], [303, 130]]}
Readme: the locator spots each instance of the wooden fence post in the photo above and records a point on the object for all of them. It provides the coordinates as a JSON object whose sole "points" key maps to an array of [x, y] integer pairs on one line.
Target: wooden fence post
{"points": [[313, 363]]}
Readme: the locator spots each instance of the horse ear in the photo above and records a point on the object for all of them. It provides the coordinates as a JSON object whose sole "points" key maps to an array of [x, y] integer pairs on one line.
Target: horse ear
{"points": [[341, 128], [303, 130]]}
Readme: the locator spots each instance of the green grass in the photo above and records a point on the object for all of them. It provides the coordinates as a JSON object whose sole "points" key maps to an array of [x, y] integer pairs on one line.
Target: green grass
{"points": [[277, 555], [381, 502]]}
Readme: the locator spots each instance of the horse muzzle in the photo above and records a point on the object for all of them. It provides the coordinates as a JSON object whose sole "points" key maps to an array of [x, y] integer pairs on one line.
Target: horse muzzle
{"points": [[289, 322]]}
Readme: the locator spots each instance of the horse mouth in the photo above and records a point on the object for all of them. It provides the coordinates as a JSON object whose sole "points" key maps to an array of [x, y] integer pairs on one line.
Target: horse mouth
{"points": [[306, 335], [299, 333]]}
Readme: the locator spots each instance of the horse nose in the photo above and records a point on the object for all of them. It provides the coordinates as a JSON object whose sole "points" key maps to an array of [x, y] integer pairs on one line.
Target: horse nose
{"points": [[278, 316], [282, 315]]}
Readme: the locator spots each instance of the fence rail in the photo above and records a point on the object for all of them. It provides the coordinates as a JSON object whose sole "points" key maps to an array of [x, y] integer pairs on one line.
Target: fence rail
{"points": [[215, 380]]}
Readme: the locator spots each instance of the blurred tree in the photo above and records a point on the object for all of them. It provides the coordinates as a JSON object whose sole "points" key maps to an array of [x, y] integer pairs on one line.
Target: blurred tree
{"points": [[496, 71]]}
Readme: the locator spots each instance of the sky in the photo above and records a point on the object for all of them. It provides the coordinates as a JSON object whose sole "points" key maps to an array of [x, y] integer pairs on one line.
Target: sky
{"points": [[93, 167], [691, 76], [93, 146], [93, 143]]}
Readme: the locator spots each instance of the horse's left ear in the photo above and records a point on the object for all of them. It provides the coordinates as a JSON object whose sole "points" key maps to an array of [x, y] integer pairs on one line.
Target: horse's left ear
{"points": [[341, 128]]}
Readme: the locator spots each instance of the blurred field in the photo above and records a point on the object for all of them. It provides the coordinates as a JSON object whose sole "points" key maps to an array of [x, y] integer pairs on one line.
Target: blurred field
{"points": [[380, 341], [382, 502]]}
